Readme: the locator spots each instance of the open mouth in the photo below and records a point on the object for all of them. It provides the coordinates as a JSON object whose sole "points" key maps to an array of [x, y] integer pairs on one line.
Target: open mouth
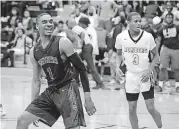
{"points": [[49, 30]]}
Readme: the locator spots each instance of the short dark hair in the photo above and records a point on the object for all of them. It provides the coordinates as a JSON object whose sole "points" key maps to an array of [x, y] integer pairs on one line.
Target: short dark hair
{"points": [[84, 20], [22, 29], [39, 16], [171, 14], [61, 22], [131, 14]]}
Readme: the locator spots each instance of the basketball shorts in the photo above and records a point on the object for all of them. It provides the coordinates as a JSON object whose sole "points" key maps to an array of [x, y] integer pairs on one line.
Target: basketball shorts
{"points": [[51, 104], [134, 86]]}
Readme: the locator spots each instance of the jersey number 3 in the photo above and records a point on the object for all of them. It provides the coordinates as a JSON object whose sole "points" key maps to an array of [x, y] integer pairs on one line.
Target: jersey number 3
{"points": [[50, 73], [135, 59]]}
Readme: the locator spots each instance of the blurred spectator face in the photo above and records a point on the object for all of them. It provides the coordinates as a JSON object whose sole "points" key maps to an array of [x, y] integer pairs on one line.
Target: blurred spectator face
{"points": [[20, 25], [169, 19], [26, 13], [14, 11], [125, 3], [71, 23], [169, 6], [45, 25], [20, 32], [135, 23], [143, 22], [77, 12], [60, 26]]}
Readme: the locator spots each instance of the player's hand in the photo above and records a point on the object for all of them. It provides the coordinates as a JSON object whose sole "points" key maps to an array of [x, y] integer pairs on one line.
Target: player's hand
{"points": [[89, 105], [146, 76]]}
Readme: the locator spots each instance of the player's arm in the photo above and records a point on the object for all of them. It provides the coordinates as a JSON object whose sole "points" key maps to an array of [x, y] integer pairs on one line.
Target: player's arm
{"points": [[67, 48], [155, 59], [153, 49], [118, 46], [119, 59], [154, 52], [36, 80], [159, 39]]}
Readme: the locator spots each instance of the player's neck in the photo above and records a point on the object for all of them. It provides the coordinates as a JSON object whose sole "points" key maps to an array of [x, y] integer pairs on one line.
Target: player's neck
{"points": [[134, 33], [45, 39]]}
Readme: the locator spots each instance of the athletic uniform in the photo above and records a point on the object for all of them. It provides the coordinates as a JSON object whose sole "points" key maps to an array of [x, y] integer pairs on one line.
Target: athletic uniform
{"points": [[136, 57], [62, 96]]}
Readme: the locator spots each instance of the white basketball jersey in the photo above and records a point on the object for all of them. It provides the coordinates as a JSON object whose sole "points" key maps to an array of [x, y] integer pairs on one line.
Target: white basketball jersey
{"points": [[136, 51]]}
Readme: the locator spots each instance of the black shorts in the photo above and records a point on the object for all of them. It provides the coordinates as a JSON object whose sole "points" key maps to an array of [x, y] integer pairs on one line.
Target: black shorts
{"points": [[101, 53], [66, 101], [147, 95]]}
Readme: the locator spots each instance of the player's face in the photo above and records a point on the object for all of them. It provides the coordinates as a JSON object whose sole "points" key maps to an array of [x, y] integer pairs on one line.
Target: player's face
{"points": [[46, 25], [135, 23], [169, 19]]}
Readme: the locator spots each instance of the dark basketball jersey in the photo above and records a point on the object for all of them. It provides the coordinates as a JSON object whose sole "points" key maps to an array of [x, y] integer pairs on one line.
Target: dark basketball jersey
{"points": [[58, 71]]}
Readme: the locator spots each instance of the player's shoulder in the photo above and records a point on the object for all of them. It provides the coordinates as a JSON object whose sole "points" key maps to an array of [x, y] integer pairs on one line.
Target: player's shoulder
{"points": [[123, 34]]}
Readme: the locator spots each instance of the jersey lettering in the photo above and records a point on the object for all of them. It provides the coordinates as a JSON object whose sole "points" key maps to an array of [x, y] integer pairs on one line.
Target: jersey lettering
{"points": [[48, 59], [135, 59], [170, 32], [50, 73]]}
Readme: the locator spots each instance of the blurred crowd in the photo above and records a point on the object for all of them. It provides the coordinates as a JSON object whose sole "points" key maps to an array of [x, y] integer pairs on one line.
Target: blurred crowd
{"points": [[104, 20]]}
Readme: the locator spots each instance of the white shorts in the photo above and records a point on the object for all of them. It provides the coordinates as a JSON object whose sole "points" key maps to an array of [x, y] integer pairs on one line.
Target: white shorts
{"points": [[134, 84]]}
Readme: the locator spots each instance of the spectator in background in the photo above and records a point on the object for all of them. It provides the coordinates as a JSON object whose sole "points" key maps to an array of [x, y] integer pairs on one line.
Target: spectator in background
{"points": [[118, 28], [77, 14], [146, 26], [28, 24], [169, 9], [156, 24], [168, 36], [127, 7], [5, 8], [93, 17], [84, 6], [177, 14], [21, 45], [60, 30], [152, 10], [11, 25], [90, 49], [106, 10], [102, 37]]}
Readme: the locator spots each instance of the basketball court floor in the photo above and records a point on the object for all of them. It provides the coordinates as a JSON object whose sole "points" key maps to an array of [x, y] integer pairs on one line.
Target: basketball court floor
{"points": [[112, 107]]}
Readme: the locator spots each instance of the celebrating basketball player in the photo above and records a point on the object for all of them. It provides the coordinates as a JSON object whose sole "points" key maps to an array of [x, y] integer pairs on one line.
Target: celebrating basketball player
{"points": [[55, 55], [135, 45]]}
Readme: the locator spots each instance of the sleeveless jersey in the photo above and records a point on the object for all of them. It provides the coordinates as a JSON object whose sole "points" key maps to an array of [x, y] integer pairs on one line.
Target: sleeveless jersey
{"points": [[136, 51], [58, 71]]}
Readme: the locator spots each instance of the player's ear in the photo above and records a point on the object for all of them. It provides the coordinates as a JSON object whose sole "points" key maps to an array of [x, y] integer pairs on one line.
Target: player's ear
{"points": [[37, 26]]}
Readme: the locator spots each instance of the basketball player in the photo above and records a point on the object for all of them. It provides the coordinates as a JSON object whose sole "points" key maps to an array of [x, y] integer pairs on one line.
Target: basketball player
{"points": [[135, 45], [55, 56]]}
